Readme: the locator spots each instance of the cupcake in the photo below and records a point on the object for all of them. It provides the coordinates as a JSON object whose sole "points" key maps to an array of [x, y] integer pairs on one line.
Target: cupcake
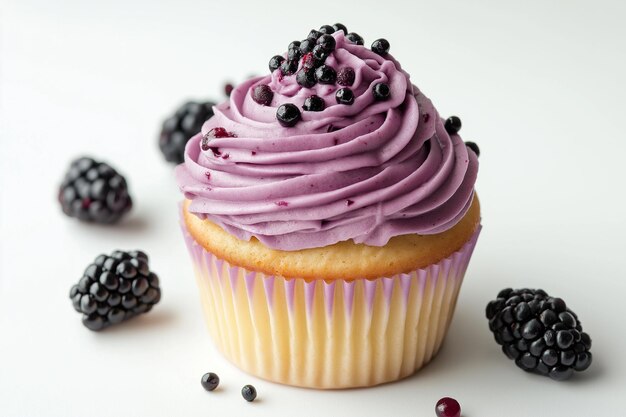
{"points": [[330, 214]]}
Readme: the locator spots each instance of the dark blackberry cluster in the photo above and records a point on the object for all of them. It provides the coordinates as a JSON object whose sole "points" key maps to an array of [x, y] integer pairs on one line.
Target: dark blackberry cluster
{"points": [[115, 288], [306, 59], [94, 192], [179, 128], [539, 333]]}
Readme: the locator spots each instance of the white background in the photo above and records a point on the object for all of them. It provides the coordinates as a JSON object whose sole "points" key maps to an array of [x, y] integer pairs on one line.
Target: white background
{"points": [[538, 84]]}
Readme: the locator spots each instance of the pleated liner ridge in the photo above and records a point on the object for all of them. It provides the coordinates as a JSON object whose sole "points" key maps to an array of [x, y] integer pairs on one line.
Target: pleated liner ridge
{"points": [[328, 334]]}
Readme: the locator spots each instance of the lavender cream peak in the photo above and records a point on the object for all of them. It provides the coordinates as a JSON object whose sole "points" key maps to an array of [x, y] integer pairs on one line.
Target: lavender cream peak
{"points": [[335, 144]]}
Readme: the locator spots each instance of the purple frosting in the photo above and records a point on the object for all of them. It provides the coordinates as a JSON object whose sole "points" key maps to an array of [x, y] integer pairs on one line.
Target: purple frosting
{"points": [[367, 171]]}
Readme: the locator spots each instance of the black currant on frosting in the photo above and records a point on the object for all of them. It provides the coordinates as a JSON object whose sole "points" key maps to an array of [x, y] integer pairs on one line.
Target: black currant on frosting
{"points": [[319, 53], [306, 77], [327, 29], [380, 46], [327, 42], [314, 103], [293, 53], [355, 38], [275, 62], [314, 34], [306, 46], [248, 392], [381, 92], [262, 94], [289, 67], [344, 96], [339, 27], [294, 45], [474, 147], [326, 74], [288, 115], [345, 76], [452, 125], [210, 381]]}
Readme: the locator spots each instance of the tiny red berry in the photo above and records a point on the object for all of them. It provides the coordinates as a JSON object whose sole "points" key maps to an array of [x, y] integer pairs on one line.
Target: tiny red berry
{"points": [[448, 407]]}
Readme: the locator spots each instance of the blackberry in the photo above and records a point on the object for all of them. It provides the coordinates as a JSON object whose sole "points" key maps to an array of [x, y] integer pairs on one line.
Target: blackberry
{"points": [[263, 94], [346, 76], [115, 288], [94, 192], [179, 128], [539, 333]]}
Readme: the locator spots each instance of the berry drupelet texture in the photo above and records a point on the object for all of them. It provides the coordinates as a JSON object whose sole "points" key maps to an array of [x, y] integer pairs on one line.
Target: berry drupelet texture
{"points": [[94, 192], [346, 76], [539, 333], [263, 94], [178, 129], [115, 288]]}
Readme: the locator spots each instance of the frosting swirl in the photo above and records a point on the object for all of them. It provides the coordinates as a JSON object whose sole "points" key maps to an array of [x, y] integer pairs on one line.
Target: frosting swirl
{"points": [[367, 171]]}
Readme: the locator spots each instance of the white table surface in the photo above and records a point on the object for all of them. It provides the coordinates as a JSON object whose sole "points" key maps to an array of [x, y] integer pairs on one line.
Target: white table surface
{"points": [[539, 86]]}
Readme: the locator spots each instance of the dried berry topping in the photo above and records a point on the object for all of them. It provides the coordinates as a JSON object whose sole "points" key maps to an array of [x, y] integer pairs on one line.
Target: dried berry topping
{"points": [[314, 103], [262, 94], [345, 76], [326, 74], [452, 125], [344, 96], [275, 62], [380, 46], [288, 115], [381, 92]]}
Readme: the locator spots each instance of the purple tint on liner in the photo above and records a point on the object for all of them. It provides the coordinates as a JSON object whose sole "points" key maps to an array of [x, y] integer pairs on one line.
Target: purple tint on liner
{"points": [[329, 296], [268, 284], [233, 273], [388, 289], [290, 287], [250, 280], [348, 294], [219, 266], [405, 285], [370, 293], [309, 296]]}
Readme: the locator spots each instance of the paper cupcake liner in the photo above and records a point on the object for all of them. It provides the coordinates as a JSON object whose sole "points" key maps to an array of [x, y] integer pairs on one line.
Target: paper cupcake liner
{"points": [[328, 333]]}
